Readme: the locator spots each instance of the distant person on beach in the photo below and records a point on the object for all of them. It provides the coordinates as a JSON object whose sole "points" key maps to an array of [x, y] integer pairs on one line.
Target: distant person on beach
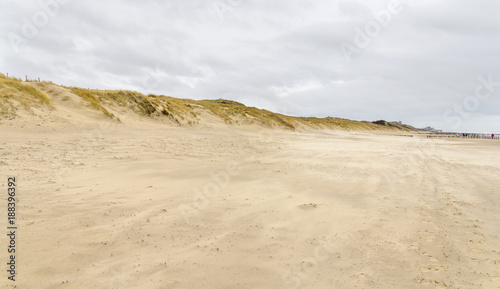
{"points": [[492, 136]]}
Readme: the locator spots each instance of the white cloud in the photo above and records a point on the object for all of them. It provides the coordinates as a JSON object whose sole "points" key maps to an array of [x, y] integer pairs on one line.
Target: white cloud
{"points": [[284, 91]]}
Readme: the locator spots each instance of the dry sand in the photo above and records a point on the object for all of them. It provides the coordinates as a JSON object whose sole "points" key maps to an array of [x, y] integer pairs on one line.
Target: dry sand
{"points": [[136, 205]]}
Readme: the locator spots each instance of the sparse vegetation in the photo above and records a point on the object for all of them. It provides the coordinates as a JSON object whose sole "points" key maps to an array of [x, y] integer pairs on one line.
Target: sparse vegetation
{"points": [[14, 89], [182, 111], [91, 97]]}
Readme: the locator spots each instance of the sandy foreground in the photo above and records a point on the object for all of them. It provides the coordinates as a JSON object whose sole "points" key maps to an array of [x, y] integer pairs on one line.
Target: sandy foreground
{"points": [[144, 205]]}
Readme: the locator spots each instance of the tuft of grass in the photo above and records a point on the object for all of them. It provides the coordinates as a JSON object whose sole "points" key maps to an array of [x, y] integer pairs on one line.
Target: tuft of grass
{"points": [[91, 97], [15, 90], [12, 87]]}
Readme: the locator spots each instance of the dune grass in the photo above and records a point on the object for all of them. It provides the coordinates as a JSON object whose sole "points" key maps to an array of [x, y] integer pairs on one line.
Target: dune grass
{"points": [[182, 111], [91, 97], [14, 89]]}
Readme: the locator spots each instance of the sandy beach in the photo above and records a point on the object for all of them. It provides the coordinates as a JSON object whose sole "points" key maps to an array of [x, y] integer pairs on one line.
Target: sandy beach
{"points": [[228, 144], [141, 204]]}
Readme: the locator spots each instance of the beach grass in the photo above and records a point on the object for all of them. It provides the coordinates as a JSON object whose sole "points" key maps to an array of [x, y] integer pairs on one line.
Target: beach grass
{"points": [[181, 111]]}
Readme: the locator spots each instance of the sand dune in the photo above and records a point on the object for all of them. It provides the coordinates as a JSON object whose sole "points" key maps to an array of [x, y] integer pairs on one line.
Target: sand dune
{"points": [[19, 95]]}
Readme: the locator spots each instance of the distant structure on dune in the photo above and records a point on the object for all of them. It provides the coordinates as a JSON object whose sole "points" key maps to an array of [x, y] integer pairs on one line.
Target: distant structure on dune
{"points": [[431, 129]]}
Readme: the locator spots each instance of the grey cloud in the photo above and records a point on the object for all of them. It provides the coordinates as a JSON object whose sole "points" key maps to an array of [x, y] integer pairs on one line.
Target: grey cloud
{"points": [[279, 55]]}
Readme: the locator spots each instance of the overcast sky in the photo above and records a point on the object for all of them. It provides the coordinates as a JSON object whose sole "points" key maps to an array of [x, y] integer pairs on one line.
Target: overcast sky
{"points": [[424, 62]]}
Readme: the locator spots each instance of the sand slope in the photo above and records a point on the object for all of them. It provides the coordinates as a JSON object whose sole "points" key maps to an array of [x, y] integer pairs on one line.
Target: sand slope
{"points": [[145, 205]]}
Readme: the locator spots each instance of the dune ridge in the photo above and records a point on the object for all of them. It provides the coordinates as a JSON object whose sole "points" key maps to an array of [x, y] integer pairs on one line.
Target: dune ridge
{"points": [[16, 95]]}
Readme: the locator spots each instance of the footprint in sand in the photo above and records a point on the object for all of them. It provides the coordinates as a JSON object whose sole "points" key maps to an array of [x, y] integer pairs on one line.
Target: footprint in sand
{"points": [[476, 241], [430, 257], [430, 268], [308, 206], [436, 283]]}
